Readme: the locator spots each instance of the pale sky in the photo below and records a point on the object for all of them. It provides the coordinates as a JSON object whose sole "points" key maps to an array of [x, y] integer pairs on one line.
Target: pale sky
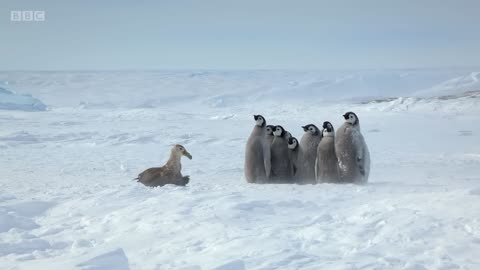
{"points": [[228, 34]]}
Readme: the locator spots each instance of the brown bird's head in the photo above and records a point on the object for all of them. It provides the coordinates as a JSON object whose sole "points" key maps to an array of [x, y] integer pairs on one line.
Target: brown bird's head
{"points": [[180, 149]]}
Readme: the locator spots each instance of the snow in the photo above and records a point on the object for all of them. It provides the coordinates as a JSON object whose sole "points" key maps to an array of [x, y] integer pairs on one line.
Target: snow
{"points": [[68, 200], [111, 260], [458, 85]]}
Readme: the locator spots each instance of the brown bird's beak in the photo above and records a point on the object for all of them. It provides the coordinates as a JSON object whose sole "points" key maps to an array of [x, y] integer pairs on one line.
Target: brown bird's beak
{"points": [[187, 154]]}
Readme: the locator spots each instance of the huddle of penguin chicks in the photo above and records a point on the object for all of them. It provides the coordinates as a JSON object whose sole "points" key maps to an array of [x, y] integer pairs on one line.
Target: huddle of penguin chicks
{"points": [[273, 155]]}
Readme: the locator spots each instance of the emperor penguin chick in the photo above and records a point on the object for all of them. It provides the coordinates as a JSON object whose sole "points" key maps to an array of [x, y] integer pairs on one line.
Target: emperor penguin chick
{"points": [[269, 133], [257, 153], [293, 153], [282, 170], [170, 173], [352, 151], [326, 167], [307, 154], [288, 135]]}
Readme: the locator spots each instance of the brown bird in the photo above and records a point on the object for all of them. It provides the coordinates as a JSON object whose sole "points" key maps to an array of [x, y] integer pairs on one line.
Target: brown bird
{"points": [[170, 173]]}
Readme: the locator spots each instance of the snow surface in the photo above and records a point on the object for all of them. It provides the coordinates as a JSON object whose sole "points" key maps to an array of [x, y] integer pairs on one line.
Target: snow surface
{"points": [[68, 200]]}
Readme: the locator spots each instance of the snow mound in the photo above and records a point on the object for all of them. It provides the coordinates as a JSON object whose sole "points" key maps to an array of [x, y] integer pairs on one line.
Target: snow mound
{"points": [[24, 246], [458, 85], [234, 265], [9, 221], [19, 215], [111, 260], [18, 221], [458, 103], [13, 101]]}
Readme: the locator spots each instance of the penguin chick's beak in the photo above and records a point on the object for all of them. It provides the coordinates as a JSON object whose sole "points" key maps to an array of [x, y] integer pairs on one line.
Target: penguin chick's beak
{"points": [[345, 116], [187, 154], [304, 128]]}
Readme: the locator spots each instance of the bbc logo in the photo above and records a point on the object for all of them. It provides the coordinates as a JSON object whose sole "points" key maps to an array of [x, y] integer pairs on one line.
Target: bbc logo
{"points": [[27, 15]]}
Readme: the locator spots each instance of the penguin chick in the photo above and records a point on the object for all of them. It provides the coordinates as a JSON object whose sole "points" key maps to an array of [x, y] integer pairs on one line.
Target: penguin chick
{"points": [[170, 173], [326, 165], [293, 153], [352, 151], [269, 133], [257, 153], [282, 170], [288, 135], [307, 154]]}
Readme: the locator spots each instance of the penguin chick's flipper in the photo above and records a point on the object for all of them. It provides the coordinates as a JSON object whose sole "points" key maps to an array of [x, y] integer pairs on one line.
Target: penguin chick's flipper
{"points": [[360, 166], [360, 153], [267, 160]]}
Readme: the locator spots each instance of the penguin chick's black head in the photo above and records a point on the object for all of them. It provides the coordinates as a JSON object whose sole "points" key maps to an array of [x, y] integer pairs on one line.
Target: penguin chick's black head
{"points": [[260, 120], [351, 118], [279, 131], [270, 129], [287, 134], [292, 143], [328, 126], [311, 128]]}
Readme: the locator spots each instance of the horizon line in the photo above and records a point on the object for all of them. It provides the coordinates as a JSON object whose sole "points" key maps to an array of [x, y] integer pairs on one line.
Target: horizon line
{"points": [[240, 69]]}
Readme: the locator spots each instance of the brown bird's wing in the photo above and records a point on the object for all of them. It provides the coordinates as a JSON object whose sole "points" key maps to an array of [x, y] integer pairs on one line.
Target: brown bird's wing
{"points": [[163, 176], [148, 175]]}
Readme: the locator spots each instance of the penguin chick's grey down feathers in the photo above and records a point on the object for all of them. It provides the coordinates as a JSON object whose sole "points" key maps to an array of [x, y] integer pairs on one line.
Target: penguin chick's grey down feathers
{"points": [[282, 169], [326, 165], [257, 153], [293, 153], [307, 154], [269, 133], [352, 151], [170, 173]]}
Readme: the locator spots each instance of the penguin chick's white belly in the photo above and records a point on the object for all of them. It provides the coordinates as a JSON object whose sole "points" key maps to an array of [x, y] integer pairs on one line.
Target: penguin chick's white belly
{"points": [[254, 160], [327, 162], [352, 154]]}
